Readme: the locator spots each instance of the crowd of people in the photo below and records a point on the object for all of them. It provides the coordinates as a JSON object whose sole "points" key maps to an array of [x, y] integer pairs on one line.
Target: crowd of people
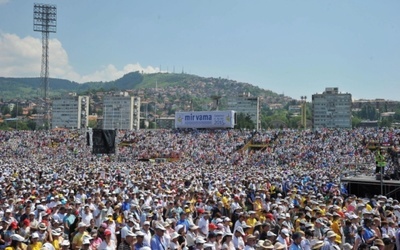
{"points": [[216, 189]]}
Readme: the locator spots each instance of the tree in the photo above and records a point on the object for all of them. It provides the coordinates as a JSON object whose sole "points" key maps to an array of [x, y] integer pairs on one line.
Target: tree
{"points": [[386, 122], [31, 124], [16, 111], [244, 121], [355, 121], [368, 112], [5, 110]]}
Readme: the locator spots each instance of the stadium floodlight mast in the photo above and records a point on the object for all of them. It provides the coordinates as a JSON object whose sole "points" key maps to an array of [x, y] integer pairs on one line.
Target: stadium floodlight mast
{"points": [[45, 21]]}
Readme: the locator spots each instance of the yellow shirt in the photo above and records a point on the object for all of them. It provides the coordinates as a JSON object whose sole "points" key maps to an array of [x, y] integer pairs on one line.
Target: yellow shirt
{"points": [[56, 244], [251, 222], [36, 246], [336, 228], [225, 201], [78, 238], [120, 218]]}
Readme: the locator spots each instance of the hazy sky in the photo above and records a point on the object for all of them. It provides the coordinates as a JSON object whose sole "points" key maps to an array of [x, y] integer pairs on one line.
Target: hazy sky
{"points": [[291, 47]]}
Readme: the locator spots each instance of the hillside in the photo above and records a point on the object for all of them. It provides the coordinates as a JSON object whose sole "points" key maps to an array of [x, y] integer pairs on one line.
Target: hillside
{"points": [[177, 86]]}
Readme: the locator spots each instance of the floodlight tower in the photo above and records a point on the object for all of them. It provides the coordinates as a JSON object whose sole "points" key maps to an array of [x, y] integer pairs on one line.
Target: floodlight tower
{"points": [[45, 21], [304, 111]]}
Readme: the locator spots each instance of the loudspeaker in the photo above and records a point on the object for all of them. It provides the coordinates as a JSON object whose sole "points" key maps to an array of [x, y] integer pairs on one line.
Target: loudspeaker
{"points": [[103, 141]]}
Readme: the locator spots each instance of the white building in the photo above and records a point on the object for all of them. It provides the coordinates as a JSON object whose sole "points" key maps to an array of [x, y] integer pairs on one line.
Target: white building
{"points": [[331, 109], [248, 105], [121, 111], [70, 112]]}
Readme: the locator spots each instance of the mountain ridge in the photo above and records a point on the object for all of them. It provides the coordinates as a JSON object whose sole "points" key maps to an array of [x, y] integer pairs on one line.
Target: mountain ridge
{"points": [[29, 87]]}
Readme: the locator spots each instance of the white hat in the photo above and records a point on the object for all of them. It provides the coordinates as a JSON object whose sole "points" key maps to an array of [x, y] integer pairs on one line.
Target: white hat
{"points": [[17, 237], [285, 232], [86, 241], [240, 230], [174, 235], [35, 235], [130, 233], [270, 234], [81, 224], [139, 233], [200, 240], [65, 243], [42, 226], [160, 227], [330, 234], [55, 233], [179, 227]]}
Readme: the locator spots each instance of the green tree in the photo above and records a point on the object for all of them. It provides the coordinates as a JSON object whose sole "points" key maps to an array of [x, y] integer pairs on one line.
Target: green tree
{"points": [[294, 122], [16, 111], [368, 112], [31, 124], [386, 122], [244, 121], [355, 121], [5, 109]]}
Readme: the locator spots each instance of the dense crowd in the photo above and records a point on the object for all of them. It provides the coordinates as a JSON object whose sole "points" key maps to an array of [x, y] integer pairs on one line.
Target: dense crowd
{"points": [[212, 191]]}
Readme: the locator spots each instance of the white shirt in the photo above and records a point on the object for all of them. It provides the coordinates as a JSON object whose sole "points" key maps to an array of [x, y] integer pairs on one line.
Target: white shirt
{"points": [[86, 218], [146, 238], [282, 240], [238, 242], [203, 226], [103, 245]]}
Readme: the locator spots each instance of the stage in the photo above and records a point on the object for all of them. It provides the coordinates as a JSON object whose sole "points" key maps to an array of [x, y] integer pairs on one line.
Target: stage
{"points": [[368, 186]]}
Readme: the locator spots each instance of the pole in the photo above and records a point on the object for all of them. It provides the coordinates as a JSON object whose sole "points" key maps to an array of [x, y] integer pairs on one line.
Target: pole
{"points": [[381, 180], [16, 118], [112, 119], [155, 109]]}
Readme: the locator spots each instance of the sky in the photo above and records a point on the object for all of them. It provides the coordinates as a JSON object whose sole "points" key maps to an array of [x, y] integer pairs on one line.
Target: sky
{"points": [[292, 47]]}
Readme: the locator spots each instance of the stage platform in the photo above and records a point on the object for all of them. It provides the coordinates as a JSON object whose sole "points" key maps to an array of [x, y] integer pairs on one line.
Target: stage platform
{"points": [[368, 186]]}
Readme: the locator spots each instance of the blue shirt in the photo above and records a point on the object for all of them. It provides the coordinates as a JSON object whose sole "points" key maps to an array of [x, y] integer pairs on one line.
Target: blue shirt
{"points": [[368, 233], [157, 243], [185, 223], [295, 247]]}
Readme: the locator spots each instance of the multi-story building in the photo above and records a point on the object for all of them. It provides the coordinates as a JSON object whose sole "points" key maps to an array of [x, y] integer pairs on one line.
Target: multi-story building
{"points": [[121, 111], [249, 105], [331, 109], [70, 112]]}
